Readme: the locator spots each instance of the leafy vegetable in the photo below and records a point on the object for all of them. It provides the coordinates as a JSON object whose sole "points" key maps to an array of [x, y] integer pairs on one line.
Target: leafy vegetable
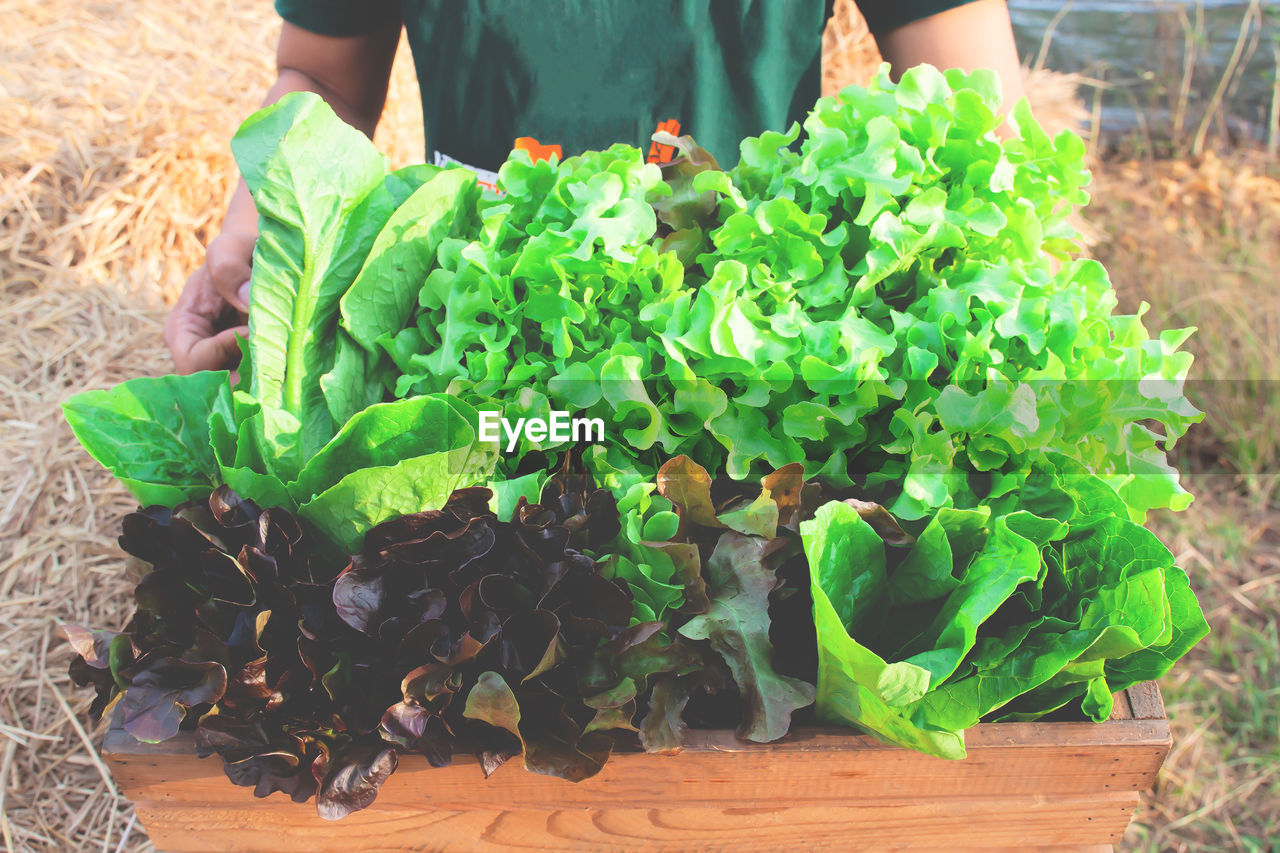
{"points": [[1011, 616], [306, 429], [390, 460], [892, 305], [737, 624], [152, 434], [451, 628], [386, 288], [318, 219], [881, 324], [490, 621], [719, 561]]}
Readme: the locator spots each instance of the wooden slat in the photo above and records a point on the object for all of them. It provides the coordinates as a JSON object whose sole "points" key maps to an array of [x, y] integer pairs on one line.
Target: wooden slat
{"points": [[1149, 731], [1022, 784], [1146, 701], [826, 769], [974, 822], [1121, 708]]}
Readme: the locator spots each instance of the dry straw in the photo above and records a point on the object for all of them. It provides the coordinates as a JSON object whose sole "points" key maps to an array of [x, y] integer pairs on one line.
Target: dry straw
{"points": [[114, 170]]}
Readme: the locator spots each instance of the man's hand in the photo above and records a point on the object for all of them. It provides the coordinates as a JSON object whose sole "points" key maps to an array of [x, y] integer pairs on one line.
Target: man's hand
{"points": [[202, 328], [351, 74], [229, 260]]}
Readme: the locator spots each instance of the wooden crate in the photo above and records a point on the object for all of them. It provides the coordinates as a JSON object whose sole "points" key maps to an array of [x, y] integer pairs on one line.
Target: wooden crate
{"points": [[1057, 786]]}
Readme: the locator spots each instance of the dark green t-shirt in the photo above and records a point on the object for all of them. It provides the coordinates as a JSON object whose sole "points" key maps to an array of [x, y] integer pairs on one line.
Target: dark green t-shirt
{"points": [[584, 74]]}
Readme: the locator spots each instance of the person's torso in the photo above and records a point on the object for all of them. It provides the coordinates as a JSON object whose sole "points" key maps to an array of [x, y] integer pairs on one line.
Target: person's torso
{"points": [[585, 74]]}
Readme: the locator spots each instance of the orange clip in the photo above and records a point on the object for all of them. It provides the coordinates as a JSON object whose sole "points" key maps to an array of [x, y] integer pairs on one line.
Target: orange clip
{"points": [[663, 153], [537, 151]]}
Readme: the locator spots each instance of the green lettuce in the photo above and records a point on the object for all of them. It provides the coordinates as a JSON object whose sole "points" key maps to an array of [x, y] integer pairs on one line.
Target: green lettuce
{"points": [[307, 427], [992, 617], [152, 434], [392, 459], [318, 219], [890, 299]]}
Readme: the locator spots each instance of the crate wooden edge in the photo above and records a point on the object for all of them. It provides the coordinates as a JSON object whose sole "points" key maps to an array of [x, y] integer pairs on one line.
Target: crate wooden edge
{"points": [[1138, 718], [1067, 786]]}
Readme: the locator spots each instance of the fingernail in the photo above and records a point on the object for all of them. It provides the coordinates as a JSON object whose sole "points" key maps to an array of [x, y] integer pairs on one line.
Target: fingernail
{"points": [[243, 293]]}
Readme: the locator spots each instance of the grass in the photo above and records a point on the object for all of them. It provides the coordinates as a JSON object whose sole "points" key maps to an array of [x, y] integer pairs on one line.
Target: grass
{"points": [[1199, 239], [1220, 788]]}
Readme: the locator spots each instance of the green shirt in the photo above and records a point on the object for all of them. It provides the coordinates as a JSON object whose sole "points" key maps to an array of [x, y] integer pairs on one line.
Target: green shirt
{"points": [[584, 74]]}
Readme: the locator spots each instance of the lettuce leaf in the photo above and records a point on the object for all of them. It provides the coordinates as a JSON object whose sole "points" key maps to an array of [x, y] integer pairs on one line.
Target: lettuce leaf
{"points": [[152, 433], [317, 183], [1003, 616], [385, 290], [737, 625], [392, 459]]}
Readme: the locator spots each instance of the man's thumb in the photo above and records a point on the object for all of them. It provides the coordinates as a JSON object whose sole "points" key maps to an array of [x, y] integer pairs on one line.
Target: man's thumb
{"points": [[224, 347], [229, 259]]}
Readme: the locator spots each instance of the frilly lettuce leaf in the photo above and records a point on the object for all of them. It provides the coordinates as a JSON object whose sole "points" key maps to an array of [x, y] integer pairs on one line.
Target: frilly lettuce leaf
{"points": [[886, 295]]}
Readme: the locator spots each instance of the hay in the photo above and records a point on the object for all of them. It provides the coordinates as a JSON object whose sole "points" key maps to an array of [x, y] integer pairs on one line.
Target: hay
{"points": [[122, 168], [108, 193], [849, 54]]}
